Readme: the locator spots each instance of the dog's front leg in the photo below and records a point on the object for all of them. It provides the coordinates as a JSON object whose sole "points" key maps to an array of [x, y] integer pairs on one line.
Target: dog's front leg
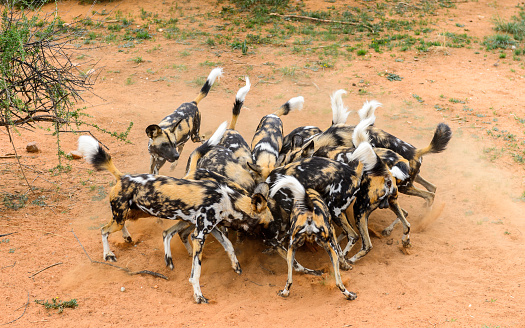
{"points": [[388, 230], [111, 227], [348, 230], [156, 164], [361, 221], [198, 239], [228, 247], [394, 206], [166, 238]]}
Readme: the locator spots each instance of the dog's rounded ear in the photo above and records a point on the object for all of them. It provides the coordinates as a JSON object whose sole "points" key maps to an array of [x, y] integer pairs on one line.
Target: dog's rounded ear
{"points": [[309, 150], [176, 125], [258, 203], [262, 188], [254, 167], [297, 141], [153, 131]]}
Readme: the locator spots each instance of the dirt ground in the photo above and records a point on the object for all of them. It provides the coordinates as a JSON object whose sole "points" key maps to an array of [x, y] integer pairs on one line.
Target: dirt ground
{"points": [[466, 267]]}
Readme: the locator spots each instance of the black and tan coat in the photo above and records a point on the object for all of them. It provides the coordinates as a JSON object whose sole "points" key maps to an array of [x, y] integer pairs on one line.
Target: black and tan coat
{"points": [[167, 139], [203, 203], [310, 221]]}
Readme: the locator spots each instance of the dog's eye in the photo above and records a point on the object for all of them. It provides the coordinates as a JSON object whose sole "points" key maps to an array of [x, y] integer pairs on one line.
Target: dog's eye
{"points": [[388, 184]]}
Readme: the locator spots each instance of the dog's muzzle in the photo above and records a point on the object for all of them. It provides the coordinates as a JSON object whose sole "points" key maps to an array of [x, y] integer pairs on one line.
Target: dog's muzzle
{"points": [[384, 203]]}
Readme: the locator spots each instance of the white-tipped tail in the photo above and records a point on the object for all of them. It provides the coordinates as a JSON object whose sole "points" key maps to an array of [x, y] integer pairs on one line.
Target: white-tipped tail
{"points": [[88, 147], [366, 155], [368, 109], [360, 134], [217, 135], [398, 174], [339, 111], [296, 103], [215, 74], [291, 183], [241, 94]]}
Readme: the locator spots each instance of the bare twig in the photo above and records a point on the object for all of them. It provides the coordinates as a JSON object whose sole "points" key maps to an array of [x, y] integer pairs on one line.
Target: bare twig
{"points": [[25, 308], [322, 20], [47, 267], [128, 271], [7, 234], [8, 266]]}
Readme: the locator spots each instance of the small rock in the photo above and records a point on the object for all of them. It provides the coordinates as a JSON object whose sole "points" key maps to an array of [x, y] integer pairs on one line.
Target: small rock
{"points": [[75, 154], [122, 289], [32, 147]]}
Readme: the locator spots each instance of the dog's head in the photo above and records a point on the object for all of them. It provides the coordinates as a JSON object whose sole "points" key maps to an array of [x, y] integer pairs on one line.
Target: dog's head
{"points": [[260, 204], [162, 142], [382, 184]]}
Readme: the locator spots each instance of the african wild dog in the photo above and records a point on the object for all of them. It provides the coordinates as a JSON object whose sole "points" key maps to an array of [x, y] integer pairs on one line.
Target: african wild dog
{"points": [[310, 221], [268, 138], [167, 139], [341, 135], [338, 184], [204, 203]]}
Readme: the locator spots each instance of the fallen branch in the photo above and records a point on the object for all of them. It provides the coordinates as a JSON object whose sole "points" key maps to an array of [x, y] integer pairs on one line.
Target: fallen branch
{"points": [[50, 266], [128, 271], [8, 266], [322, 20], [7, 234], [25, 308]]}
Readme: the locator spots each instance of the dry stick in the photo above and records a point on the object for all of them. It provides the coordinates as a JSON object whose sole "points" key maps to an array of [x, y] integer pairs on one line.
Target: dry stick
{"points": [[27, 303], [8, 266], [7, 234], [47, 267], [155, 274], [321, 20]]}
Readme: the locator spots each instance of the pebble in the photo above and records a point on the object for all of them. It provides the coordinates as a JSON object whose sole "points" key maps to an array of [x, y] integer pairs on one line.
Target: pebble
{"points": [[122, 289], [32, 147], [75, 154]]}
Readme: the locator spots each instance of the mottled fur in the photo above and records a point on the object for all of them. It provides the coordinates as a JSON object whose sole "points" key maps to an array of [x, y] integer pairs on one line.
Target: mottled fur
{"points": [[268, 138], [310, 221], [167, 139], [204, 203]]}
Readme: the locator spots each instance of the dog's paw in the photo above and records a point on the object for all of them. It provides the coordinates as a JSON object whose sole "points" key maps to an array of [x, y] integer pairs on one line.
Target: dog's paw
{"points": [[128, 239], [345, 266], [349, 295], [110, 258], [284, 293], [169, 261], [386, 232], [406, 243], [199, 299]]}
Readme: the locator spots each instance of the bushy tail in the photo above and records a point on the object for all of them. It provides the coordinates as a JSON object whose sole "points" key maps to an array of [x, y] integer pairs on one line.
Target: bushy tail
{"points": [[200, 151], [360, 134], [97, 156], [365, 154], [339, 111], [439, 142], [368, 110], [239, 101], [292, 104], [215, 74], [291, 183]]}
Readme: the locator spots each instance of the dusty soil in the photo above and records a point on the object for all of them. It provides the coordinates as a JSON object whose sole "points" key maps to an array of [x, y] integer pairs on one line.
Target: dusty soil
{"points": [[467, 264]]}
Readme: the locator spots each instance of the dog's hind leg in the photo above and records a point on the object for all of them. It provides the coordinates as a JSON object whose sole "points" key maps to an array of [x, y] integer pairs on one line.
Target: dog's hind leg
{"points": [[183, 235], [198, 238], [334, 258], [413, 191], [290, 258], [428, 186], [166, 238], [296, 265], [388, 230], [228, 247], [111, 227]]}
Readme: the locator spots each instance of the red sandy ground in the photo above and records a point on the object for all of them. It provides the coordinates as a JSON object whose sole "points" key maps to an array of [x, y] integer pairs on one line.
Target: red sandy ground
{"points": [[466, 267]]}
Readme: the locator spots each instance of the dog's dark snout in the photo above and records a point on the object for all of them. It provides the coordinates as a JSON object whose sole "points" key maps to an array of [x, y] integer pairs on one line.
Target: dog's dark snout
{"points": [[384, 203]]}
